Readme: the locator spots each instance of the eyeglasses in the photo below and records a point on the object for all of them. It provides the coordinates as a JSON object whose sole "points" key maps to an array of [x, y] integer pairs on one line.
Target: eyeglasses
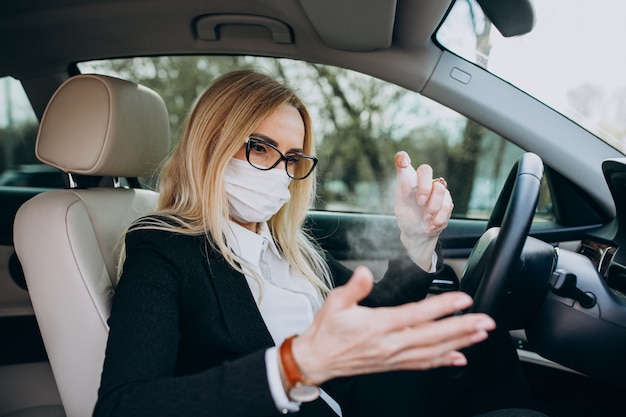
{"points": [[265, 156]]}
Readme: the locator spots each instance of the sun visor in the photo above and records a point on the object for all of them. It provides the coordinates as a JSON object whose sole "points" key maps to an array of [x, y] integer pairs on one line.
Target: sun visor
{"points": [[352, 25]]}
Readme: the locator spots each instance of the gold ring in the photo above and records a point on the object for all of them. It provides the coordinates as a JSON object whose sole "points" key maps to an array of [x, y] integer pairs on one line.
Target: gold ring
{"points": [[441, 180]]}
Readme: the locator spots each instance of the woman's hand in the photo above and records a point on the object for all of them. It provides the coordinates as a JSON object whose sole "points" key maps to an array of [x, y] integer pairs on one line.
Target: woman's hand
{"points": [[422, 208], [347, 339]]}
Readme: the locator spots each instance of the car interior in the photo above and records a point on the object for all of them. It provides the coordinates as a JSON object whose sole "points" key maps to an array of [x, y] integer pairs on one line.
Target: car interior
{"points": [[85, 225], [558, 283]]}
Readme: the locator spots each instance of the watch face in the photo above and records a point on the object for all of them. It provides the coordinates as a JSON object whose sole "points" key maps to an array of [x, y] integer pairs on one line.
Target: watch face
{"points": [[304, 393]]}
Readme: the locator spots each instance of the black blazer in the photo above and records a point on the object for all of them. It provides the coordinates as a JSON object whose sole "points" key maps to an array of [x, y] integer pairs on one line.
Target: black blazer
{"points": [[186, 338]]}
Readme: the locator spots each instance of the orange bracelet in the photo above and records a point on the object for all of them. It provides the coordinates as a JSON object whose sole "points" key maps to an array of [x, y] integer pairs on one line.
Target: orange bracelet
{"points": [[300, 389], [291, 368]]}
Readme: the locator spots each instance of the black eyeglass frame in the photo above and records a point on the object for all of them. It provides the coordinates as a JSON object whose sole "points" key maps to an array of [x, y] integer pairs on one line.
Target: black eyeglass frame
{"points": [[252, 140]]}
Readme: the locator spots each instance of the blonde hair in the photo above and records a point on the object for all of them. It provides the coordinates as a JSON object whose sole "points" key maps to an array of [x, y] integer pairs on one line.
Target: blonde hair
{"points": [[191, 185]]}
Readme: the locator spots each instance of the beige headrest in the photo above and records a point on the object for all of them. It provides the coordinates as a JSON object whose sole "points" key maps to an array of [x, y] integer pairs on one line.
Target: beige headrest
{"points": [[99, 125]]}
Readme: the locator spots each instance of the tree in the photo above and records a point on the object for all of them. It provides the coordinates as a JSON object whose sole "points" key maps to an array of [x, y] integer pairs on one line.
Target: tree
{"points": [[19, 141], [360, 122], [357, 139], [466, 154], [369, 122], [178, 79]]}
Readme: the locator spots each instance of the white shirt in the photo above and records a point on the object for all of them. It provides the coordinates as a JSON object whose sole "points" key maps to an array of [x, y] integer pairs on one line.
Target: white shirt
{"points": [[281, 291]]}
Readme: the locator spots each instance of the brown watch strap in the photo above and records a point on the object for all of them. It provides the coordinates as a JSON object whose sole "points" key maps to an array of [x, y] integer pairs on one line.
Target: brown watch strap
{"points": [[292, 371]]}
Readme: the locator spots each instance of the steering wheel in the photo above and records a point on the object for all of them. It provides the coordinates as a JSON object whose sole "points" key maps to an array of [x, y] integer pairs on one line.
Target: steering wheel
{"points": [[491, 266]]}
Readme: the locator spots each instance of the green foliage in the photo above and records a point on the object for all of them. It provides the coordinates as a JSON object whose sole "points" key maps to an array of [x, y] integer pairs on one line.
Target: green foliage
{"points": [[360, 123], [178, 79], [18, 143]]}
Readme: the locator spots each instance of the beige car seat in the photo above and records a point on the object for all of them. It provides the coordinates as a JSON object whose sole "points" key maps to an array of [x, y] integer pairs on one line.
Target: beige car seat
{"points": [[68, 241]]}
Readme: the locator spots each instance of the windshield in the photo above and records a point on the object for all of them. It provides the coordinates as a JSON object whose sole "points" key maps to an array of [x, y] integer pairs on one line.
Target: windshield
{"points": [[572, 60]]}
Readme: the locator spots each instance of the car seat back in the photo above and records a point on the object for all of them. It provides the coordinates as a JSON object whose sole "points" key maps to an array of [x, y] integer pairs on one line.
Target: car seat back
{"points": [[69, 240]]}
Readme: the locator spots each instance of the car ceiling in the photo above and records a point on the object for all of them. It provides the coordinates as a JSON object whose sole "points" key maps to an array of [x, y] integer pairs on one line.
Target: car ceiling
{"points": [[42, 38]]}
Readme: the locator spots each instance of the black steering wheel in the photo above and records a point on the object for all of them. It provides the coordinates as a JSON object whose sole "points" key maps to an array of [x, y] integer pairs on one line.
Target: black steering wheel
{"points": [[494, 259]]}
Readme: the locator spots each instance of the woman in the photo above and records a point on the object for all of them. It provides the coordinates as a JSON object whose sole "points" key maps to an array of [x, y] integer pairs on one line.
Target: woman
{"points": [[217, 282]]}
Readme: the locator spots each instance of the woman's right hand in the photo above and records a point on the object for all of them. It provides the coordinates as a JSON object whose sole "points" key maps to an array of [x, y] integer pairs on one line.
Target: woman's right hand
{"points": [[347, 339]]}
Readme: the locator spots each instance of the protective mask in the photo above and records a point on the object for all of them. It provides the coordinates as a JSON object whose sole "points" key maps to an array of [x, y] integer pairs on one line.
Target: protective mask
{"points": [[255, 195]]}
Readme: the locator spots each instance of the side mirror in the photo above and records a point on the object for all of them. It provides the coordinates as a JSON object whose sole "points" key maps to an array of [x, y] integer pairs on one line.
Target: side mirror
{"points": [[510, 17]]}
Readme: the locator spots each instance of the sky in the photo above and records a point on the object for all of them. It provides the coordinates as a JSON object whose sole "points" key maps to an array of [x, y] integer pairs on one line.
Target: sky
{"points": [[574, 43], [13, 103]]}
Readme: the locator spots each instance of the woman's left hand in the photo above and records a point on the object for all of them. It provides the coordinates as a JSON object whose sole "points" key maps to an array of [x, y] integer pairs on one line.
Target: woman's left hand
{"points": [[422, 206]]}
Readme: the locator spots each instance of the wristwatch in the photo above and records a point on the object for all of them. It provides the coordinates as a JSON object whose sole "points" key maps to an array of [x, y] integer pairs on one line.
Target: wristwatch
{"points": [[299, 388]]}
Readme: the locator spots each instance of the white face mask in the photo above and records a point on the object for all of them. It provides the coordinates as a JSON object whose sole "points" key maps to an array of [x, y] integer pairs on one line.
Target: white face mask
{"points": [[255, 195]]}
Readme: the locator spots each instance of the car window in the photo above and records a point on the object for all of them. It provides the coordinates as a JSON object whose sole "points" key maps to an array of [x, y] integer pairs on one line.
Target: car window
{"points": [[18, 131], [571, 60], [360, 122]]}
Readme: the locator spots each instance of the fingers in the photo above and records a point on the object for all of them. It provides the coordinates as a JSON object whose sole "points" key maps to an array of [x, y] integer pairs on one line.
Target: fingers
{"points": [[417, 313], [425, 185], [347, 339], [402, 160], [437, 343], [428, 191], [435, 198], [407, 179], [417, 337], [433, 194], [438, 207], [428, 342], [452, 333]]}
